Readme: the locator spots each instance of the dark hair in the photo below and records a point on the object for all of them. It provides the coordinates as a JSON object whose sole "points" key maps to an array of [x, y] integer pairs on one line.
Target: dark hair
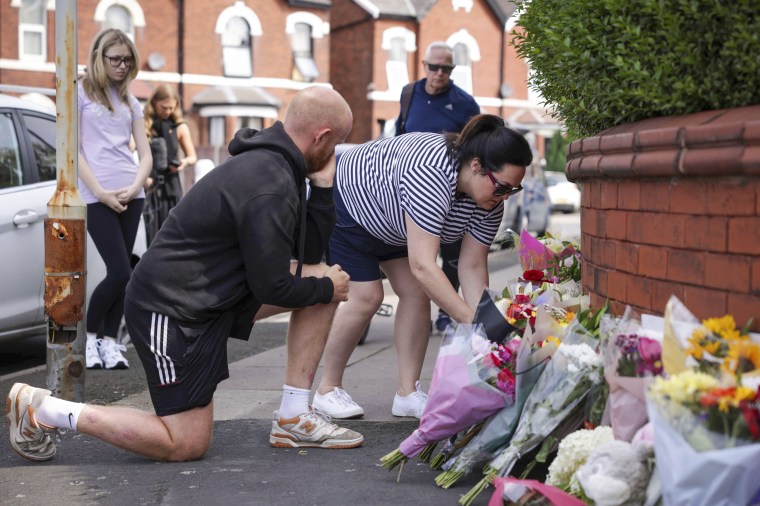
{"points": [[486, 137]]}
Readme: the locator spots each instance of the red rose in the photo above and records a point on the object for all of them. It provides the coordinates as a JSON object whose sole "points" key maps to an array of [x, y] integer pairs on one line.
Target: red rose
{"points": [[533, 275]]}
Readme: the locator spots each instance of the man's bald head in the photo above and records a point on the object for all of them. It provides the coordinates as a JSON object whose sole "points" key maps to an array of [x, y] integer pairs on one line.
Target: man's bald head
{"points": [[318, 119], [314, 109]]}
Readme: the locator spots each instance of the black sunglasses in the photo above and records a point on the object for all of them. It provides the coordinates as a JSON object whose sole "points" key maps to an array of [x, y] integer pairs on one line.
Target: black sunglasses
{"points": [[116, 61], [501, 190], [434, 67]]}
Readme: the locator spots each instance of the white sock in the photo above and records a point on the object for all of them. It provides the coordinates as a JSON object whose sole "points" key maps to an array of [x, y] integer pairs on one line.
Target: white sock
{"points": [[92, 336], [58, 413], [295, 401]]}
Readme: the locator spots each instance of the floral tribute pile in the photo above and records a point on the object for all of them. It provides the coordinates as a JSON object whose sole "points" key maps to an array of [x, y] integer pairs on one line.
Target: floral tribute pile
{"points": [[617, 410]]}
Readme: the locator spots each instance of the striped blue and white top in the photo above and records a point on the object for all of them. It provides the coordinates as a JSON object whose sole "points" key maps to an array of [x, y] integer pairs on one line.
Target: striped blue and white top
{"points": [[384, 180]]}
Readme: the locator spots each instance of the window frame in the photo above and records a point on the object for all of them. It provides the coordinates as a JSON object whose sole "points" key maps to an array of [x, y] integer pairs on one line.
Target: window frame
{"points": [[40, 29]]}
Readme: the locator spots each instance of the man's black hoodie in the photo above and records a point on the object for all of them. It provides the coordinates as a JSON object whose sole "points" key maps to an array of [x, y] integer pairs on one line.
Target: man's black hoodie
{"points": [[226, 247]]}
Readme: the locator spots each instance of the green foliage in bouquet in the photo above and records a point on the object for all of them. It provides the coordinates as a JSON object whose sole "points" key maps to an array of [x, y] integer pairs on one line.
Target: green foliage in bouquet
{"points": [[601, 63], [557, 268]]}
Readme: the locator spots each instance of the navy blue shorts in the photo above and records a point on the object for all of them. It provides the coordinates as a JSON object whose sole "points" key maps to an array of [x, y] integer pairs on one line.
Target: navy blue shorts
{"points": [[183, 362], [357, 251]]}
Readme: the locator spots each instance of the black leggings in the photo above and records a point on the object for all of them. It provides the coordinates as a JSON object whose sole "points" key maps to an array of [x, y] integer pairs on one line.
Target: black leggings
{"points": [[114, 235]]}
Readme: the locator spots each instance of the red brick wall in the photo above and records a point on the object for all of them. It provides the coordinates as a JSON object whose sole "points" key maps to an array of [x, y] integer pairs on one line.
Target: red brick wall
{"points": [[672, 206], [352, 65]]}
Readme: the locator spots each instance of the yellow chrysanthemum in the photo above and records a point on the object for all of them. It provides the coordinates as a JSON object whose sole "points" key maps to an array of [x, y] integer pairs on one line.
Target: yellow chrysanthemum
{"points": [[743, 356], [683, 387]]}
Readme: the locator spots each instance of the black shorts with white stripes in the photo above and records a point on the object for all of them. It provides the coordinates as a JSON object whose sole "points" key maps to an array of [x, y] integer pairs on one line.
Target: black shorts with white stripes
{"points": [[183, 362]]}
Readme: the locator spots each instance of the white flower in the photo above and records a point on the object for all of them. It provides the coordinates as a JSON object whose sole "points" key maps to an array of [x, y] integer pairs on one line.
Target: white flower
{"points": [[554, 245], [480, 346], [572, 454], [502, 305]]}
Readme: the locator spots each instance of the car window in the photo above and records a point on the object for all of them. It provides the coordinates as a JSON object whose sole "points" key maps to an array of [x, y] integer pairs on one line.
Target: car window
{"points": [[42, 132], [10, 162]]}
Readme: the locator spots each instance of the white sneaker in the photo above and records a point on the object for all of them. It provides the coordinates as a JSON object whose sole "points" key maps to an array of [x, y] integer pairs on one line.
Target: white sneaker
{"points": [[26, 435], [410, 405], [337, 404], [111, 353], [311, 430], [92, 355]]}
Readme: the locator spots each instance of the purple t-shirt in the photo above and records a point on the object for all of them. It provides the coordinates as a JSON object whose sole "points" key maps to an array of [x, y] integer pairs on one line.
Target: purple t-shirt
{"points": [[104, 142]]}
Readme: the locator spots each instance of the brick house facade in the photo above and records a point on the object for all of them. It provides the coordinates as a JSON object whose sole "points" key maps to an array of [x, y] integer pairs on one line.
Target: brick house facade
{"points": [[238, 63]]}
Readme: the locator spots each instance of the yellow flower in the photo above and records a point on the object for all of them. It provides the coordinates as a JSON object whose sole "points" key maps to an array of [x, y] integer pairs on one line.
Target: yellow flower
{"points": [[743, 356], [724, 327], [683, 387], [553, 339]]}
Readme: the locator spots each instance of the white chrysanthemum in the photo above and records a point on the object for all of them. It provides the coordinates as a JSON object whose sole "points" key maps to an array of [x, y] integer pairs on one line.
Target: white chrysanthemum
{"points": [[572, 454], [481, 346]]}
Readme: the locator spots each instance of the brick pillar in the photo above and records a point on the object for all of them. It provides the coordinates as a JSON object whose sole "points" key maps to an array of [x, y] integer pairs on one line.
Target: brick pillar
{"points": [[671, 205]]}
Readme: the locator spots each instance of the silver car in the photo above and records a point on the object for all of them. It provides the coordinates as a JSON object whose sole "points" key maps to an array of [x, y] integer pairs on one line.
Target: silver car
{"points": [[27, 182]]}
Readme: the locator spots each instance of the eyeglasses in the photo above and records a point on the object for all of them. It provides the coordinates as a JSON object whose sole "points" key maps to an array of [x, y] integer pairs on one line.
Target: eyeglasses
{"points": [[501, 190], [434, 67], [116, 61]]}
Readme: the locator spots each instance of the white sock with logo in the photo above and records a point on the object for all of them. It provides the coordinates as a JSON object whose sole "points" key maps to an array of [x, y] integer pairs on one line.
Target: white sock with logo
{"points": [[295, 401], [58, 413]]}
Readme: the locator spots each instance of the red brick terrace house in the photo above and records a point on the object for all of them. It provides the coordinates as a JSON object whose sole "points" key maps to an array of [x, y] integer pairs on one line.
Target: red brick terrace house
{"points": [[377, 46], [238, 63], [235, 63]]}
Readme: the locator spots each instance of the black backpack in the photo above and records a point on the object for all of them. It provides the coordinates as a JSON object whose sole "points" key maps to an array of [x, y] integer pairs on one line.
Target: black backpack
{"points": [[406, 100]]}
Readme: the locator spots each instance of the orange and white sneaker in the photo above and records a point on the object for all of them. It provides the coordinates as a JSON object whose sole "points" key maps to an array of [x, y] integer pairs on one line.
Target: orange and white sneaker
{"points": [[27, 436], [311, 430]]}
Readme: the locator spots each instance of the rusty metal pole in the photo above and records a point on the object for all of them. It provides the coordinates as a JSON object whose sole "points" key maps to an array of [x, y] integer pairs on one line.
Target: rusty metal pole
{"points": [[65, 226]]}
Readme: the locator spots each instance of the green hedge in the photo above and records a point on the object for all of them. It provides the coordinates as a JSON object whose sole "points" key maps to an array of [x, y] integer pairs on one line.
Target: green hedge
{"points": [[600, 63]]}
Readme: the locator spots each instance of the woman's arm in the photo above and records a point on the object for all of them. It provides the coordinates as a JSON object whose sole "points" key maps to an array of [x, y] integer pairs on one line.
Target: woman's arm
{"points": [[423, 252], [146, 162], [186, 143], [473, 269]]}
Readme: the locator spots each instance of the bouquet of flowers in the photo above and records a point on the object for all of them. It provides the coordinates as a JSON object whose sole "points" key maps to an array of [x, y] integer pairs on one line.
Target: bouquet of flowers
{"points": [[632, 354], [714, 345], [560, 258], [531, 361], [575, 367], [572, 453], [707, 437], [473, 378]]}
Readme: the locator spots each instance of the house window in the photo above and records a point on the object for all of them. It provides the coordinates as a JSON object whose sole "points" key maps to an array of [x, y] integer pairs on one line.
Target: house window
{"points": [[117, 16], [32, 30], [216, 133], [126, 15], [250, 122], [398, 42], [304, 67], [396, 68], [236, 48], [462, 74]]}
